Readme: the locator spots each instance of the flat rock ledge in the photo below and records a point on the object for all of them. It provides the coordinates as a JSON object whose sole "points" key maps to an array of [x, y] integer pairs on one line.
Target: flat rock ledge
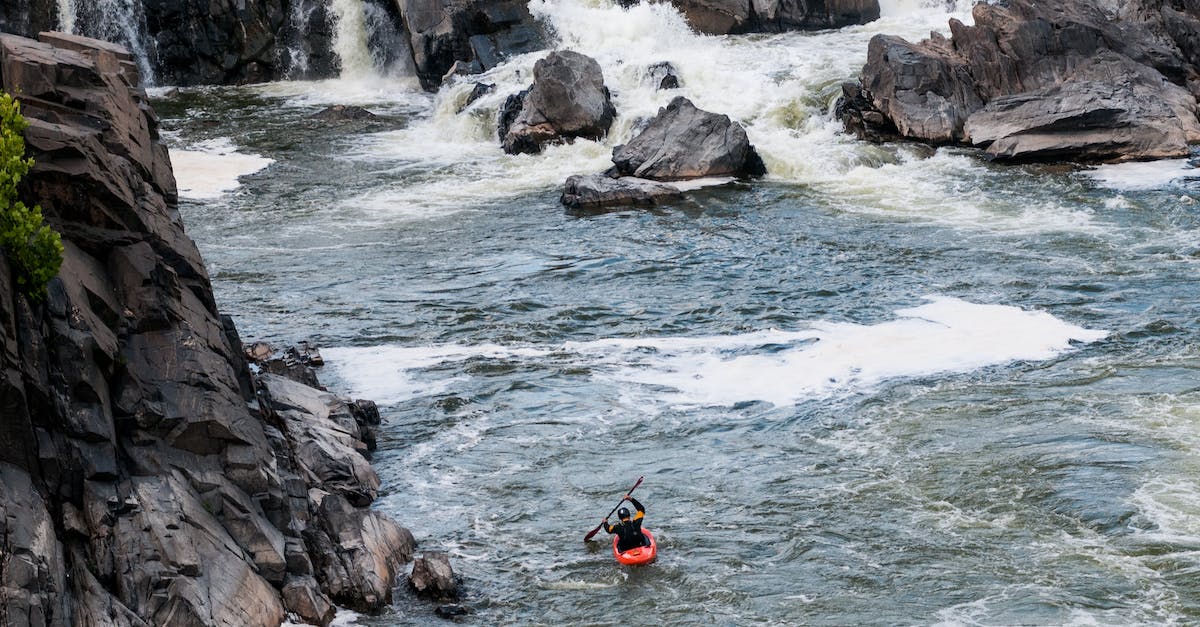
{"points": [[149, 474], [599, 190]]}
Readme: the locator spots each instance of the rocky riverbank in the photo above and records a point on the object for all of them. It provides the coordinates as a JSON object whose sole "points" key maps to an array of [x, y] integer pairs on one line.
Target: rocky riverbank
{"points": [[151, 475], [1038, 81]]}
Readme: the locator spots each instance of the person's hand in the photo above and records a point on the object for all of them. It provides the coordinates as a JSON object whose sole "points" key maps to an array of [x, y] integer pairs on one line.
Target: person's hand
{"points": [[604, 522], [627, 497]]}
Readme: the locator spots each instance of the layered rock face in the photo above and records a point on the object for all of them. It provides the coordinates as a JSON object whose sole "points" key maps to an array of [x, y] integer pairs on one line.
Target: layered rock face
{"points": [[467, 36], [567, 100], [723, 17], [1040, 80], [148, 476]]}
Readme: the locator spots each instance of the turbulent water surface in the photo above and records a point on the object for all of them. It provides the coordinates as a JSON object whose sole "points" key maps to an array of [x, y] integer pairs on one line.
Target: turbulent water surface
{"points": [[885, 385]]}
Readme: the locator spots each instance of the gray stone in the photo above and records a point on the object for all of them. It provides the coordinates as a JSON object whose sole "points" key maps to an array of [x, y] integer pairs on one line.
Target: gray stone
{"points": [[598, 190], [683, 142], [568, 100]]}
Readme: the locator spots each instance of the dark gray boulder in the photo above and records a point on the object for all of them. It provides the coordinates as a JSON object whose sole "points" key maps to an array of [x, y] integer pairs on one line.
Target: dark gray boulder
{"points": [[722, 17], [683, 142], [1043, 81], [567, 100], [598, 190]]}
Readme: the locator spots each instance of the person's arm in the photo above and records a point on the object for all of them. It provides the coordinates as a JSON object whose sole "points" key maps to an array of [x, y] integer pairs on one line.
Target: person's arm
{"points": [[641, 511], [607, 527]]}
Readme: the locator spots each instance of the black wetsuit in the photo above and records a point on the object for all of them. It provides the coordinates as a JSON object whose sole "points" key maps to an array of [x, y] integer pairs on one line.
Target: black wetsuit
{"points": [[629, 532]]}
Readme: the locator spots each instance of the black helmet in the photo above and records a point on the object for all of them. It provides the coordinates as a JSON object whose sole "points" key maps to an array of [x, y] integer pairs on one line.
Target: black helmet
{"points": [[623, 513]]}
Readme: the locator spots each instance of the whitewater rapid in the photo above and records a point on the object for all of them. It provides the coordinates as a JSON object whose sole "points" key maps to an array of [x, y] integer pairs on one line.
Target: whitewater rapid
{"points": [[888, 384], [946, 335]]}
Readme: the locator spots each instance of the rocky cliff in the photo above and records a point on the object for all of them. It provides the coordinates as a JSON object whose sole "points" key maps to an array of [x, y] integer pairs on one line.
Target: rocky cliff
{"points": [[148, 476], [1043, 81]]}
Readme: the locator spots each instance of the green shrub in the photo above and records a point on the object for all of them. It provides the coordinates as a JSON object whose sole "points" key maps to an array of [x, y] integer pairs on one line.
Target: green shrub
{"points": [[34, 249]]}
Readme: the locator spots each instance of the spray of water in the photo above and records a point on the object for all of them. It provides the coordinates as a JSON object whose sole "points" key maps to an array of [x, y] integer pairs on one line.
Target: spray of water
{"points": [[350, 38], [66, 16], [118, 21]]}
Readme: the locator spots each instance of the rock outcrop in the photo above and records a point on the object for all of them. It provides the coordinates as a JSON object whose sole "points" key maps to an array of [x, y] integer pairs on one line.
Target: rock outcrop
{"points": [[1042, 81], [724, 17], [598, 190], [683, 142], [432, 577], [567, 100], [680, 143], [149, 476], [476, 34]]}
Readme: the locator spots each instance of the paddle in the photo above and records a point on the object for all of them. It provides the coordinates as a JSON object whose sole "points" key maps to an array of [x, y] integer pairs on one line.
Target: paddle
{"points": [[597, 529]]}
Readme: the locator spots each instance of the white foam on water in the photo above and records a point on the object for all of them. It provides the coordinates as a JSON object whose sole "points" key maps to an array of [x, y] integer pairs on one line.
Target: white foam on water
{"points": [[363, 91], [341, 618], [210, 169], [694, 184], [945, 189], [779, 367], [1142, 175]]}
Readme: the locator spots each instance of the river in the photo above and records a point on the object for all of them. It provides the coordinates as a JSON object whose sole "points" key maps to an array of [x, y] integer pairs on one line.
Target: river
{"points": [[884, 385]]}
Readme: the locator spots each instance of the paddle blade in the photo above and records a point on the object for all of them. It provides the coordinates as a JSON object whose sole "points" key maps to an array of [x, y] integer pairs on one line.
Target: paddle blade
{"points": [[592, 533]]}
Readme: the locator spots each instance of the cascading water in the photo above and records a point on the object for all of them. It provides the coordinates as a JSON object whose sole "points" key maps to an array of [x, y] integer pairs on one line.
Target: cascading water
{"points": [[362, 37], [118, 21], [66, 16]]}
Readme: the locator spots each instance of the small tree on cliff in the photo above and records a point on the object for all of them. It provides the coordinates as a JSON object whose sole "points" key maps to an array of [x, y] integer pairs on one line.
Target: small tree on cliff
{"points": [[34, 249]]}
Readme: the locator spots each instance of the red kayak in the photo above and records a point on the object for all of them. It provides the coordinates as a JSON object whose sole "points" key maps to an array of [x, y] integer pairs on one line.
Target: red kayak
{"points": [[637, 555]]}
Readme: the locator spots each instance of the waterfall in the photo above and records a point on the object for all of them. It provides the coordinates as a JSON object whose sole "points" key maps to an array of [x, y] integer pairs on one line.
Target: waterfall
{"points": [[355, 39], [350, 38], [66, 16], [118, 21]]}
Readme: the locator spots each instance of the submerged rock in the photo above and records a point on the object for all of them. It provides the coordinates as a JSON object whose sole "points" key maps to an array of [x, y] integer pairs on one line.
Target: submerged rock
{"points": [[683, 142], [662, 75], [598, 190], [1045, 81], [342, 113], [567, 100]]}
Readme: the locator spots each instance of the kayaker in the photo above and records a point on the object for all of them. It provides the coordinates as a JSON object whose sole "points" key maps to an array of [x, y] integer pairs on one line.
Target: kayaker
{"points": [[629, 530]]}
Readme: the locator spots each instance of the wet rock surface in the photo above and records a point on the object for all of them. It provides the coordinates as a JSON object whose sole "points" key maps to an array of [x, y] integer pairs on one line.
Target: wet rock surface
{"points": [[568, 100], [598, 190], [150, 475], [683, 142], [1043, 81]]}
